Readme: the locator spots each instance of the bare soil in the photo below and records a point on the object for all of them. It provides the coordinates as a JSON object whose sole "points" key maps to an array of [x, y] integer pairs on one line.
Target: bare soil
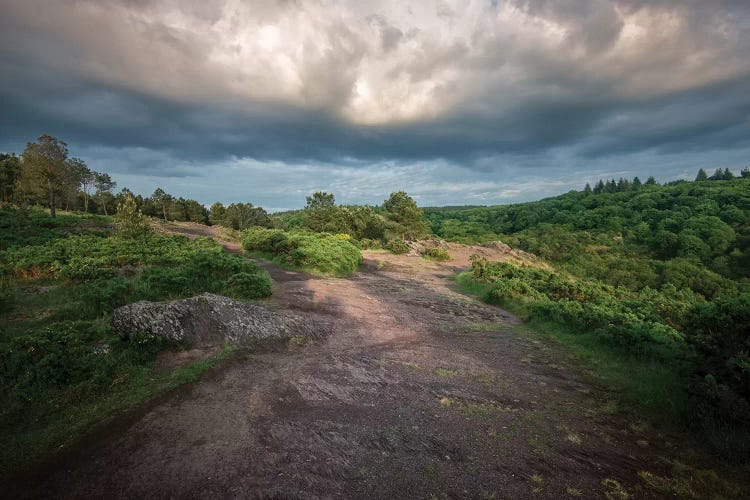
{"points": [[418, 392]]}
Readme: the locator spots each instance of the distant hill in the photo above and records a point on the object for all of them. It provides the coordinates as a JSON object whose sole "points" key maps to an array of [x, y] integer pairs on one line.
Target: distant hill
{"points": [[694, 234]]}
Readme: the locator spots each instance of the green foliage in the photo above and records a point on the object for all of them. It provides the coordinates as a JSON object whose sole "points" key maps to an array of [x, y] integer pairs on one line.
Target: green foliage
{"points": [[20, 227], [397, 246], [10, 176], [624, 318], [130, 220], [438, 254], [406, 217], [369, 244], [720, 332], [320, 199], [7, 291], [58, 354], [707, 342], [239, 216], [631, 231], [249, 286], [318, 252]]}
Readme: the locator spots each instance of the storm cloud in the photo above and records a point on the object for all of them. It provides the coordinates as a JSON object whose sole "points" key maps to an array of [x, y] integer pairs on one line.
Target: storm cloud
{"points": [[452, 100]]}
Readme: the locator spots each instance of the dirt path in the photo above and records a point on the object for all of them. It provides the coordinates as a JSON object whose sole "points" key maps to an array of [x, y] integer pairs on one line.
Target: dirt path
{"points": [[419, 392]]}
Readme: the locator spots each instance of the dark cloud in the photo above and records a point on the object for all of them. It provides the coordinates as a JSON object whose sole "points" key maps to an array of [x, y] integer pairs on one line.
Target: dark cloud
{"points": [[179, 84]]}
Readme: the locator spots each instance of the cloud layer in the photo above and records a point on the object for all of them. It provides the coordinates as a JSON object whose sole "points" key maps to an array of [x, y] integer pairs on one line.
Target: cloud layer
{"points": [[487, 87]]}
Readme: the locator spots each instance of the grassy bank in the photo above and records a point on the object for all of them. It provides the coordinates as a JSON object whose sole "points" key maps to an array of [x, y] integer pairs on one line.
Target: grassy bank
{"points": [[62, 367], [646, 386]]}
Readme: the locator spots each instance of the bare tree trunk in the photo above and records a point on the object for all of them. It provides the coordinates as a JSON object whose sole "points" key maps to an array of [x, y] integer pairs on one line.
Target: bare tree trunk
{"points": [[104, 204], [85, 202], [164, 209]]}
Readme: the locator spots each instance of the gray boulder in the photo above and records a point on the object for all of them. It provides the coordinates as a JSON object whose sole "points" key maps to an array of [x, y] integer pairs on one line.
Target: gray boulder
{"points": [[209, 319]]}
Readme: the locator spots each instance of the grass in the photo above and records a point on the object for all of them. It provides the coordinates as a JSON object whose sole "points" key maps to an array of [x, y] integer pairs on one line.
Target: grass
{"points": [[59, 427], [63, 369], [651, 388]]}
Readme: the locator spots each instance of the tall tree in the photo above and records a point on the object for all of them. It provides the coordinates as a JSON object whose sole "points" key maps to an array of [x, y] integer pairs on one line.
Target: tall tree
{"points": [[702, 176], [10, 176], [717, 175], [46, 169], [636, 183], [161, 199], [650, 181], [599, 187], [86, 179], [104, 186], [587, 190], [728, 175], [216, 214], [401, 209], [320, 199], [745, 173]]}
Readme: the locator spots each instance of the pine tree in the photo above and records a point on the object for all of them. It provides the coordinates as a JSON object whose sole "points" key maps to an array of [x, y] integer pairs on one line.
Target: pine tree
{"points": [[636, 183], [745, 173], [599, 187], [717, 176], [587, 190], [701, 176], [130, 221], [650, 181], [728, 175]]}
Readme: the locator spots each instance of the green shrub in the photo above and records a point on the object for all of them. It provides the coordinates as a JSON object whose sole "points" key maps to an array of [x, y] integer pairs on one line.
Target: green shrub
{"points": [[7, 291], [397, 246], [161, 283], [320, 252], [79, 268], [248, 286], [439, 254], [368, 244], [615, 315]]}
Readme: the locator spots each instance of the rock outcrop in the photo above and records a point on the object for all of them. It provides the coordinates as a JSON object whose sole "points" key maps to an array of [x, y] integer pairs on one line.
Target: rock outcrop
{"points": [[209, 319]]}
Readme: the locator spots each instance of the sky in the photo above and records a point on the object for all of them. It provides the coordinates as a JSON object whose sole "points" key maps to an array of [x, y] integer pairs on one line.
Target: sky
{"points": [[455, 102]]}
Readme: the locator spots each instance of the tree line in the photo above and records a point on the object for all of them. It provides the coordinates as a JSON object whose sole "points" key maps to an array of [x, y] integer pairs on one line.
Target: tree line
{"points": [[45, 174], [624, 185]]}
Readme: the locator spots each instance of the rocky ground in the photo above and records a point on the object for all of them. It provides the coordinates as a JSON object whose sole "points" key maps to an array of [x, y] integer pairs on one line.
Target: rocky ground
{"points": [[417, 392]]}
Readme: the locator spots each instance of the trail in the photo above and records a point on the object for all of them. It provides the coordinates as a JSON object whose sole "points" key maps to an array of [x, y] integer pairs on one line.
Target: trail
{"points": [[418, 392]]}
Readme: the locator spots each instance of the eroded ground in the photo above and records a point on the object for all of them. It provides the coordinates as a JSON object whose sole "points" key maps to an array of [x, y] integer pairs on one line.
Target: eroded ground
{"points": [[418, 392]]}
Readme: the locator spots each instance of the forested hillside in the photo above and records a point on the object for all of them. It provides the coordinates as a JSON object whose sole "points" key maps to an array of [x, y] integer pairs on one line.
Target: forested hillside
{"points": [[658, 272], [691, 234]]}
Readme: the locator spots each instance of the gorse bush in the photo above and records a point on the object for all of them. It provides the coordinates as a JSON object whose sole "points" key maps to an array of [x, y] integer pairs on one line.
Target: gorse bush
{"points": [[58, 353], [248, 286], [706, 341], [397, 246], [368, 244], [320, 252], [619, 316], [438, 254]]}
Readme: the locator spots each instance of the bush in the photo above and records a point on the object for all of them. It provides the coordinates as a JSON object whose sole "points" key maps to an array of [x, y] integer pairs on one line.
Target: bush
{"points": [[7, 291], [86, 269], [248, 286], [368, 244], [326, 253], [615, 315], [397, 246], [439, 254]]}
